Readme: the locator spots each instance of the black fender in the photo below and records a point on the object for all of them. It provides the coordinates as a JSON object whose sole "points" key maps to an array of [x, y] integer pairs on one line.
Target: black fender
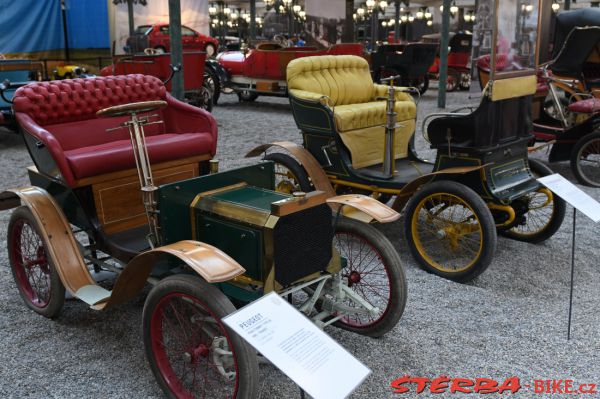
{"points": [[218, 70]]}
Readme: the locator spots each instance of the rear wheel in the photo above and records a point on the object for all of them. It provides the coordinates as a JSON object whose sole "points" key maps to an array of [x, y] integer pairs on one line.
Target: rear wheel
{"points": [[37, 279], [191, 352], [211, 81], [542, 212], [373, 270], [450, 231], [585, 160], [247, 95], [201, 98], [290, 176]]}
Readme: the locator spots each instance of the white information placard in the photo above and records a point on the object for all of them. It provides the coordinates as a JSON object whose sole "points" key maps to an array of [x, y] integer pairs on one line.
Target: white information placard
{"points": [[296, 346], [573, 195]]}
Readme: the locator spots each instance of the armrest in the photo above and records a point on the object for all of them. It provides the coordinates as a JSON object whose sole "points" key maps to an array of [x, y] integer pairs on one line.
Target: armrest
{"points": [[382, 91], [310, 96], [56, 151], [180, 117]]}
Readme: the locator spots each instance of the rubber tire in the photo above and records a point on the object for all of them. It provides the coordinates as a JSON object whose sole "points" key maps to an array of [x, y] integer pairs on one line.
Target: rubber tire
{"points": [[207, 99], [221, 306], [560, 207], [293, 166], [423, 85], [482, 212], [247, 96], [209, 73], [57, 289], [398, 286], [575, 159], [214, 50]]}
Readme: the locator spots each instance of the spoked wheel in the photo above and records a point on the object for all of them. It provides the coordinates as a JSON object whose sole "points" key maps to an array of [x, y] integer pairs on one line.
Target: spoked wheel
{"points": [[540, 213], [374, 272], [37, 279], [465, 81], [450, 231], [191, 352], [585, 160], [290, 176], [201, 98], [452, 82], [212, 82], [247, 95]]}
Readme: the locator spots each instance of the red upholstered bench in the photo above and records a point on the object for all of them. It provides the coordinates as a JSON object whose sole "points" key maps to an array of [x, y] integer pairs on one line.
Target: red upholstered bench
{"points": [[60, 116]]}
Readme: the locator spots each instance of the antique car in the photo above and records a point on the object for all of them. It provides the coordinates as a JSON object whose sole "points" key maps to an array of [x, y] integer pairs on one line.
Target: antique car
{"points": [[139, 195], [196, 81], [157, 37], [410, 61], [70, 72], [481, 182], [261, 70], [15, 73], [459, 59], [565, 107], [571, 127]]}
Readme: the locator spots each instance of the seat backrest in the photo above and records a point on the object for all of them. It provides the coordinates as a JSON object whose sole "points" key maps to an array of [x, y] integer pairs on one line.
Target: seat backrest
{"points": [[73, 100], [346, 79]]}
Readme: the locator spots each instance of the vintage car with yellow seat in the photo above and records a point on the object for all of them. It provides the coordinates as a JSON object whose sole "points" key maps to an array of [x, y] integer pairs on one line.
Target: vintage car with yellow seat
{"points": [[125, 182], [357, 139]]}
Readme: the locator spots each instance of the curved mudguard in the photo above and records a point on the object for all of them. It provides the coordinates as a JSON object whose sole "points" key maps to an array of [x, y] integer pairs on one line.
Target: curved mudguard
{"points": [[218, 70], [359, 207], [210, 263]]}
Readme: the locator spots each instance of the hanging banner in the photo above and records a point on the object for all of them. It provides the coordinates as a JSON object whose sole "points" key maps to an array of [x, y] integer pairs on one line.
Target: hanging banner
{"points": [[194, 14], [325, 20], [30, 26]]}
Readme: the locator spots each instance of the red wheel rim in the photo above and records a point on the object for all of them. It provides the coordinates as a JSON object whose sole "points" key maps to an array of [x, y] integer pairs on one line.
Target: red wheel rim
{"points": [[183, 332], [30, 263], [367, 275]]}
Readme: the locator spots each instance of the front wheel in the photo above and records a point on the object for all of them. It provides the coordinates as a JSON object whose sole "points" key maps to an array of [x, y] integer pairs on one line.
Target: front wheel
{"points": [[540, 213], [37, 279], [450, 231], [373, 271], [290, 176], [585, 160], [190, 351]]}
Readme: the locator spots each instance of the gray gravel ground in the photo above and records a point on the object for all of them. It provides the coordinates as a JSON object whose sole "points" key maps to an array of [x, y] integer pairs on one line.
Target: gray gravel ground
{"points": [[511, 321]]}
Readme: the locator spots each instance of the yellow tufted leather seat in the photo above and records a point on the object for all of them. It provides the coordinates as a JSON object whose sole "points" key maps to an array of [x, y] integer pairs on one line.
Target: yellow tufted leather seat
{"points": [[343, 83]]}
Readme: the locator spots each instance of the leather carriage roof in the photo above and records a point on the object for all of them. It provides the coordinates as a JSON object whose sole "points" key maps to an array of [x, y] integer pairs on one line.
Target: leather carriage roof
{"points": [[577, 47], [568, 20]]}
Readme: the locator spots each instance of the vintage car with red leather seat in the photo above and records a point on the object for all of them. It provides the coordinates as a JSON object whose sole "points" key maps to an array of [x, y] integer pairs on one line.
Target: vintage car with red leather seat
{"points": [[262, 70], [125, 183]]}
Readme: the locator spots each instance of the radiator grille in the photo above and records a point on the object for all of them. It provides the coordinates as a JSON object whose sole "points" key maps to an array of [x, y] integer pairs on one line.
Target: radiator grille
{"points": [[302, 243]]}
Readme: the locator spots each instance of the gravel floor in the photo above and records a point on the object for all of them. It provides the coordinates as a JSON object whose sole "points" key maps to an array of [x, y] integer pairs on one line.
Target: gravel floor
{"points": [[511, 321]]}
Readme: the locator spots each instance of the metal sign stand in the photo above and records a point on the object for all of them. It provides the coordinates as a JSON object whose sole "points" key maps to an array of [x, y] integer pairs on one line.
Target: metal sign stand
{"points": [[572, 273]]}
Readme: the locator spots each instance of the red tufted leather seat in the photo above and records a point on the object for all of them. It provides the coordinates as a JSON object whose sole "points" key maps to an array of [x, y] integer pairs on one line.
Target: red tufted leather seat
{"points": [[62, 116]]}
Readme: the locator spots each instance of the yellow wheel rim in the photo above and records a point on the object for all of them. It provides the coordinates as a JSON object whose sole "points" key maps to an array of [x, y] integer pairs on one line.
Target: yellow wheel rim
{"points": [[447, 233], [285, 181], [539, 215]]}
